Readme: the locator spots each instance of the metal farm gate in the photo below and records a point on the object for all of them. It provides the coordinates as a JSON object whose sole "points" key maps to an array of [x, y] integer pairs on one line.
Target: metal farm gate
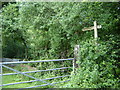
{"points": [[5, 65]]}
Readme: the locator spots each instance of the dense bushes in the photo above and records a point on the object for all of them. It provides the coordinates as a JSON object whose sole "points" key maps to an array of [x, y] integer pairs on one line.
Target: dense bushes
{"points": [[50, 30], [98, 65]]}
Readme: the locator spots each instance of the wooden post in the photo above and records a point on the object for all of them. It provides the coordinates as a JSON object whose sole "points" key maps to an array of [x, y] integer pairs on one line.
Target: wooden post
{"points": [[76, 53], [95, 30]]}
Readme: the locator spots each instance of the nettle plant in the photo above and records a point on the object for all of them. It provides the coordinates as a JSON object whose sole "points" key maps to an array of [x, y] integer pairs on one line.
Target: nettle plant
{"points": [[98, 65]]}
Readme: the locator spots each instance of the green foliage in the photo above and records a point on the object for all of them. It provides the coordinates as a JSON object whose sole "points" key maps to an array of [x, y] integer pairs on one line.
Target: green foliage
{"points": [[98, 65], [42, 30], [11, 36], [50, 30]]}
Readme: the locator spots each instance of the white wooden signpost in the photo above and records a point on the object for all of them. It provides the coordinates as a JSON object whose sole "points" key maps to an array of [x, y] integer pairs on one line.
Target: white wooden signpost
{"points": [[95, 29], [77, 47]]}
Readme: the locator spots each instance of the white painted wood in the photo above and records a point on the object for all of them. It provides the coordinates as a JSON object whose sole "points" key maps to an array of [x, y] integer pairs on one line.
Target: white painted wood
{"points": [[90, 28], [95, 27], [95, 30]]}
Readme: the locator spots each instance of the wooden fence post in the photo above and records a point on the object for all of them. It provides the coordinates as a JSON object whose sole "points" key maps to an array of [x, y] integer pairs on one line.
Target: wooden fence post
{"points": [[76, 53]]}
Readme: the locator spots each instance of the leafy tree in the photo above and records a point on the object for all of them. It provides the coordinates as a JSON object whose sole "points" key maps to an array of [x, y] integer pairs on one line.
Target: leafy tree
{"points": [[60, 25], [41, 30], [12, 42]]}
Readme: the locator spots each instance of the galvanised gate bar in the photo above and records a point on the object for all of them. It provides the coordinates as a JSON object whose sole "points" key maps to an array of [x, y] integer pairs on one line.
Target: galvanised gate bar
{"points": [[35, 79]]}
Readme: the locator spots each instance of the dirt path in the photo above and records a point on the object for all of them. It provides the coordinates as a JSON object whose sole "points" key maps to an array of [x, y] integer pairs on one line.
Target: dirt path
{"points": [[27, 67]]}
